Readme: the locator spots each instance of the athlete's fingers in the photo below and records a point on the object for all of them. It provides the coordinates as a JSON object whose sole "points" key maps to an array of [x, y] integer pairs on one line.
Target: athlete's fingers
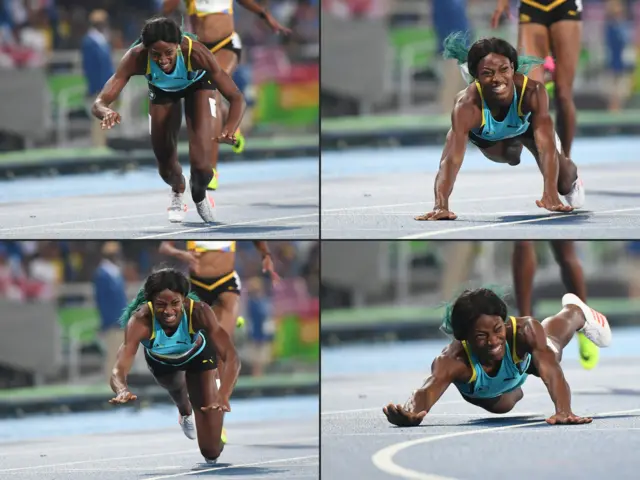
{"points": [[495, 18]]}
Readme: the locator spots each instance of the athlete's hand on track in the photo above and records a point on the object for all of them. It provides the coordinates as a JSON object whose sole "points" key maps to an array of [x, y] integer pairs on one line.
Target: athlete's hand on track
{"points": [[226, 137], [110, 120], [501, 8], [553, 203], [437, 214], [275, 26], [397, 415], [267, 266], [221, 404], [123, 397], [567, 419]]}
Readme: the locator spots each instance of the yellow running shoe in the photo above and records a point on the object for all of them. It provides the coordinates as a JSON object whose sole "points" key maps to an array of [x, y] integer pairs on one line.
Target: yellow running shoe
{"points": [[223, 437], [240, 142], [213, 184], [589, 352], [240, 322]]}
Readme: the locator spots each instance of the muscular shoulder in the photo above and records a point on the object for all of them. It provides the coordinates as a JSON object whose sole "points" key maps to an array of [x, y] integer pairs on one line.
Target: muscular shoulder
{"points": [[198, 53], [452, 363], [139, 325], [467, 109], [199, 317], [535, 94], [529, 335], [135, 60]]}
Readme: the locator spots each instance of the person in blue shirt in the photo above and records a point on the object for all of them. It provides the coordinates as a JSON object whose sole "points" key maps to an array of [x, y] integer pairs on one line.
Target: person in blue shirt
{"points": [[182, 338], [492, 354], [176, 66], [501, 111]]}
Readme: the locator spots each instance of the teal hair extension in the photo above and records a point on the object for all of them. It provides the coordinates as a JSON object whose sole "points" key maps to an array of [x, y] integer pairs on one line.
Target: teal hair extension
{"points": [[445, 327], [456, 47], [140, 300]]}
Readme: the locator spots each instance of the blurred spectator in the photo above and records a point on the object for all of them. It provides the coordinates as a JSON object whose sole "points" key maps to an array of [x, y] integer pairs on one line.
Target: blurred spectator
{"points": [[449, 16], [621, 61], [97, 66], [261, 326], [111, 300]]}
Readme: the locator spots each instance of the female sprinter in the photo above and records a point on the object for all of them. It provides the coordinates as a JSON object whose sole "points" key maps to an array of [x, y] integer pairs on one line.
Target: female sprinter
{"points": [[493, 354], [177, 67], [501, 111], [552, 26], [181, 337], [212, 22], [214, 279]]}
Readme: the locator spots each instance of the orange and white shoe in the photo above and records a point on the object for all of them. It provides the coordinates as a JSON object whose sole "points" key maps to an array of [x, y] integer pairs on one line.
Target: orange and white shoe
{"points": [[206, 209], [596, 326], [178, 209]]}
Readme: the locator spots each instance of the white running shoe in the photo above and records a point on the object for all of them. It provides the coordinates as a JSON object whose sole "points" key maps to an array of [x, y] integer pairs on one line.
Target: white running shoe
{"points": [[178, 209], [596, 327], [188, 425], [575, 197], [206, 209]]}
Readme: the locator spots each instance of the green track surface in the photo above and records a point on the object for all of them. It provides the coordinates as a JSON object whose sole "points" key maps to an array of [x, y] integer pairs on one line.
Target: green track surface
{"points": [[61, 391], [73, 154]]}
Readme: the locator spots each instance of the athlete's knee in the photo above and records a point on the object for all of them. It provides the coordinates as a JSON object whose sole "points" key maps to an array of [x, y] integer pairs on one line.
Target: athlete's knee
{"points": [[200, 153], [563, 93], [212, 452]]}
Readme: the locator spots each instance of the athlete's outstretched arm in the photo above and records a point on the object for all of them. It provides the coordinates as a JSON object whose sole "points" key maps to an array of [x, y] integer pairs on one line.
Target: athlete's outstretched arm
{"points": [[202, 58], [127, 68], [263, 13], [267, 261], [137, 329], [551, 374], [444, 371], [463, 118], [221, 341], [545, 138]]}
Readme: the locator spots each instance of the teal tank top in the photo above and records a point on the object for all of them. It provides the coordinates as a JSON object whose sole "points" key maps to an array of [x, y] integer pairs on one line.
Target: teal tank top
{"points": [[177, 349], [180, 78], [513, 125], [510, 376]]}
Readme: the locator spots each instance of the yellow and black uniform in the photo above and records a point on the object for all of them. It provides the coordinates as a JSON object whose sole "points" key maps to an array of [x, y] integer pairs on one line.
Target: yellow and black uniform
{"points": [[202, 8], [185, 349], [548, 12], [209, 289]]}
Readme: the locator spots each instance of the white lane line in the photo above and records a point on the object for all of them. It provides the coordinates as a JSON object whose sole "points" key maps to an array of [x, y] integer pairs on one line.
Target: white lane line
{"points": [[217, 227], [242, 465], [552, 216], [383, 459]]}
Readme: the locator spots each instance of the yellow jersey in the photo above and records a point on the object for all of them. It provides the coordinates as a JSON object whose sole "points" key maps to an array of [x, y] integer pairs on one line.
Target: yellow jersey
{"points": [[211, 246], [202, 8]]}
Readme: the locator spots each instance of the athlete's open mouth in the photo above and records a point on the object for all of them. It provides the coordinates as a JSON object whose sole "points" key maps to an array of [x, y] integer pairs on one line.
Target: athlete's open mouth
{"points": [[499, 89], [495, 350]]}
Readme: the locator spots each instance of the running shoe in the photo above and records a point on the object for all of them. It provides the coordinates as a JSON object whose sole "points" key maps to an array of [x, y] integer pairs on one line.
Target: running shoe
{"points": [[223, 437], [589, 352], [178, 209], [575, 197], [240, 143], [206, 209], [188, 425], [240, 322], [596, 327], [213, 184]]}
